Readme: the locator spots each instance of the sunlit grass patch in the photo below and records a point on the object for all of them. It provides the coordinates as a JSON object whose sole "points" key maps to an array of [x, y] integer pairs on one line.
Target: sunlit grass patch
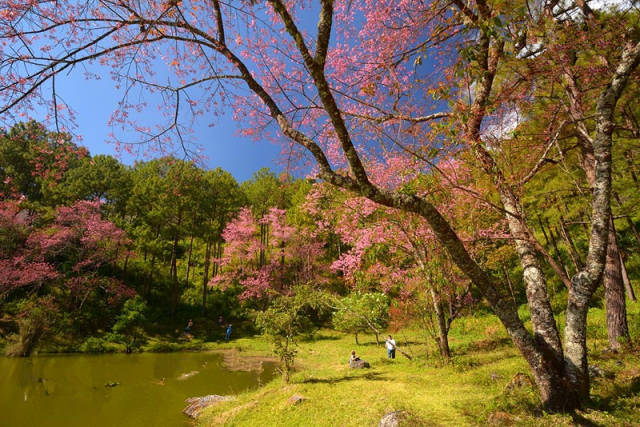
{"points": [[469, 390]]}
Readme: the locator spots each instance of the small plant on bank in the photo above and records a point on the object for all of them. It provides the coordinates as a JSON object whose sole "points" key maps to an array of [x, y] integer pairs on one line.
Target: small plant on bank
{"points": [[35, 324], [128, 327], [288, 317]]}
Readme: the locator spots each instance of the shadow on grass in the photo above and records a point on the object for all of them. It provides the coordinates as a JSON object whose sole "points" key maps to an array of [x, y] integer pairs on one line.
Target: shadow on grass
{"points": [[579, 420], [370, 344], [483, 345], [610, 402], [319, 337], [370, 376]]}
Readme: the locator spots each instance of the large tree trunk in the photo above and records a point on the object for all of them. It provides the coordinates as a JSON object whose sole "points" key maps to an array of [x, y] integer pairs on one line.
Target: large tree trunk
{"points": [[442, 338], [544, 325], [614, 286], [575, 338], [616, 309], [586, 281]]}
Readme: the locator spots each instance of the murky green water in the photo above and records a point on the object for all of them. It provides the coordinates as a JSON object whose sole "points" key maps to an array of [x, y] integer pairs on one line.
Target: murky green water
{"points": [[70, 390]]}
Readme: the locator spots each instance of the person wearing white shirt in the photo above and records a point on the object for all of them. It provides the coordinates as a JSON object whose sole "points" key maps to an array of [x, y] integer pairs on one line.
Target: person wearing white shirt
{"points": [[391, 347]]}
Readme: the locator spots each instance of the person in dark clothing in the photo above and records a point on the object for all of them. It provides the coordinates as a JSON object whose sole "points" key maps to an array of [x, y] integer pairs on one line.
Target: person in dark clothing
{"points": [[228, 335]]}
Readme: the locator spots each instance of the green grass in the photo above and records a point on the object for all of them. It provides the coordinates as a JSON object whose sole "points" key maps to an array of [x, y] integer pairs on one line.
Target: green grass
{"points": [[468, 391]]}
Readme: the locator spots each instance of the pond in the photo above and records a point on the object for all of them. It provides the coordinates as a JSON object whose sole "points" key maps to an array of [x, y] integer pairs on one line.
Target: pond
{"points": [[146, 389]]}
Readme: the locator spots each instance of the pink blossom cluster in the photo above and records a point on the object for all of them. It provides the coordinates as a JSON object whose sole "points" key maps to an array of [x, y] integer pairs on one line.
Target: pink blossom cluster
{"points": [[268, 254]]}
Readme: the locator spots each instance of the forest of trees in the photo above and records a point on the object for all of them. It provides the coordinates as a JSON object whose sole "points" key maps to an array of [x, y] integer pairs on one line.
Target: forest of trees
{"points": [[82, 234]]}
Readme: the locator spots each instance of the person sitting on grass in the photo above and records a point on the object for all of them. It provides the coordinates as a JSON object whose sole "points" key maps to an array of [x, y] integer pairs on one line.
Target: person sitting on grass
{"points": [[187, 330], [356, 362]]}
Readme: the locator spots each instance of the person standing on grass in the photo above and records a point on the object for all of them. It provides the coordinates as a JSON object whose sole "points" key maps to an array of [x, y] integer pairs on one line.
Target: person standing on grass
{"points": [[226, 338], [187, 329], [390, 343]]}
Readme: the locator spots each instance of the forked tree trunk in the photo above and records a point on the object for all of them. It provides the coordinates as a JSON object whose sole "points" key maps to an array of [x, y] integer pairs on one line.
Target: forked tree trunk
{"points": [[556, 392], [443, 336], [544, 326]]}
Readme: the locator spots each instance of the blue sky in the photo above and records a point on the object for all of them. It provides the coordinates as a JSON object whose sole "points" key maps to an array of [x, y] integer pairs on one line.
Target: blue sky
{"points": [[94, 100]]}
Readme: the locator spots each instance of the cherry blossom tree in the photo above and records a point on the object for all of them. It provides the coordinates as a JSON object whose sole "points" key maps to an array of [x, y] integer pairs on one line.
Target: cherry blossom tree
{"points": [[57, 266], [67, 253], [398, 252], [287, 256]]}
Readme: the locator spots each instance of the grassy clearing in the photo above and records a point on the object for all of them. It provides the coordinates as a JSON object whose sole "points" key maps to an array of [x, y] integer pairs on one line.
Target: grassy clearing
{"points": [[468, 391]]}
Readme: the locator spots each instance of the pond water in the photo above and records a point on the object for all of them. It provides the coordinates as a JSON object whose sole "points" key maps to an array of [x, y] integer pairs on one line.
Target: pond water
{"points": [[147, 389]]}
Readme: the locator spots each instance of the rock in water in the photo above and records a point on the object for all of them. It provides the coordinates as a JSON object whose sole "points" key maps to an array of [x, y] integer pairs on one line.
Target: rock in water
{"points": [[197, 404], [393, 419], [188, 375], [359, 364]]}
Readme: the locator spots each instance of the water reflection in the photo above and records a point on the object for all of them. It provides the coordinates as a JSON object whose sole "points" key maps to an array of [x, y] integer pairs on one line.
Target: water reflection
{"points": [[114, 390]]}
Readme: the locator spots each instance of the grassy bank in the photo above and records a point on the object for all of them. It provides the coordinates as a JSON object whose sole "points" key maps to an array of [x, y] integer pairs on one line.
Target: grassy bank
{"points": [[471, 390]]}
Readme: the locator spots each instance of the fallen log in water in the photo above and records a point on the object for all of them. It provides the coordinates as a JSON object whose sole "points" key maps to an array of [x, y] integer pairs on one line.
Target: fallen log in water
{"points": [[197, 404]]}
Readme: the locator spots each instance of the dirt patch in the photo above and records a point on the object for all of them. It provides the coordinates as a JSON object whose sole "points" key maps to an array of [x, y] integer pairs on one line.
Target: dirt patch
{"points": [[488, 344], [234, 360]]}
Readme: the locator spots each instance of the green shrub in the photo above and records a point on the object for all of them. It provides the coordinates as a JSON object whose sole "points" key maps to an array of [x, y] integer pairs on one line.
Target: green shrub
{"points": [[97, 345]]}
